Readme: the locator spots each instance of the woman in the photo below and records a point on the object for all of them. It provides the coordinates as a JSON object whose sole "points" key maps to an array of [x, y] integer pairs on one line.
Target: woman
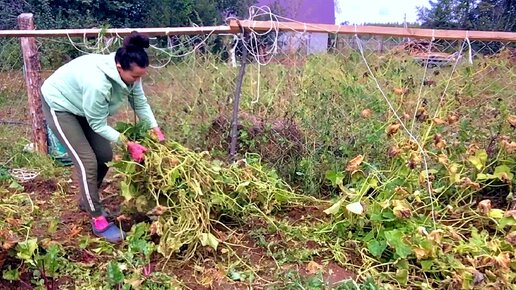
{"points": [[79, 97]]}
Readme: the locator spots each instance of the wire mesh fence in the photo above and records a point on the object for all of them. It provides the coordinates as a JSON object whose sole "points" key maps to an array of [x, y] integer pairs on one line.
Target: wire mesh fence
{"points": [[310, 101]]}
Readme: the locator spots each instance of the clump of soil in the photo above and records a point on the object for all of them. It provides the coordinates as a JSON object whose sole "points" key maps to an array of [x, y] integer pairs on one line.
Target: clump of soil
{"points": [[273, 139], [40, 186]]}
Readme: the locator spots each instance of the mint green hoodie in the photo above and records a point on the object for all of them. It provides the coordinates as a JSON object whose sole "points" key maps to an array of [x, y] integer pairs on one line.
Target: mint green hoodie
{"points": [[90, 86]]}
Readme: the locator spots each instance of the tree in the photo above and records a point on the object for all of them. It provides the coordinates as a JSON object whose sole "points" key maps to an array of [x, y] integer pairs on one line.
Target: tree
{"points": [[497, 15]]}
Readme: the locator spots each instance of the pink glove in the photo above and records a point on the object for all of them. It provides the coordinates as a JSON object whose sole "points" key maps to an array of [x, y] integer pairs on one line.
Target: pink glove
{"points": [[136, 151], [159, 135]]}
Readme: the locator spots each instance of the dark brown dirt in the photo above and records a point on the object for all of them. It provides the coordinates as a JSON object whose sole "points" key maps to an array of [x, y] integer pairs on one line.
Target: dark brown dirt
{"points": [[497, 195], [305, 213], [40, 186]]}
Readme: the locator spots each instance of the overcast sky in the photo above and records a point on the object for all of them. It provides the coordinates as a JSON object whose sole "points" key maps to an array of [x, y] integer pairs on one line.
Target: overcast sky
{"points": [[381, 11]]}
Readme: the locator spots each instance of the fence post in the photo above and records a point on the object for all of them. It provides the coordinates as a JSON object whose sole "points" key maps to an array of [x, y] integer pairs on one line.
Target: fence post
{"points": [[236, 99], [32, 68]]}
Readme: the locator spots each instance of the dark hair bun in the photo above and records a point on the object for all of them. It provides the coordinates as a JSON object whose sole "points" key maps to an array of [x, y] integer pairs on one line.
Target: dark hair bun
{"points": [[136, 40]]}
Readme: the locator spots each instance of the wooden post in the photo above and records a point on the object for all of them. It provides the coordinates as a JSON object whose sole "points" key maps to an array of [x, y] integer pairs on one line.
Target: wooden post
{"points": [[32, 68]]}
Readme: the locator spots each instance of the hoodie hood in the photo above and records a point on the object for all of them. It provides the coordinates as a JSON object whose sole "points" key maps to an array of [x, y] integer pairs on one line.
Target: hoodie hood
{"points": [[108, 67]]}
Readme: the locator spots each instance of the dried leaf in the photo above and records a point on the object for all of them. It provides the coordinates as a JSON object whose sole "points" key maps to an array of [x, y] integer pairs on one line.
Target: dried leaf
{"points": [[402, 192], [420, 253], [392, 129], [510, 213], [10, 241], [157, 211], [354, 163], [401, 210], [415, 160], [438, 121], [509, 147], [400, 91], [74, 231], [478, 277], [155, 228], [452, 119], [366, 113], [313, 267], [511, 238], [436, 236], [443, 159], [453, 234], [484, 206], [472, 149], [122, 218], [441, 144], [512, 120], [467, 183], [393, 151], [503, 260], [422, 114], [13, 222]]}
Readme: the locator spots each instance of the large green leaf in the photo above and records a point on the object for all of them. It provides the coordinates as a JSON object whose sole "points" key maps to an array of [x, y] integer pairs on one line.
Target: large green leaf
{"points": [[395, 239], [376, 247]]}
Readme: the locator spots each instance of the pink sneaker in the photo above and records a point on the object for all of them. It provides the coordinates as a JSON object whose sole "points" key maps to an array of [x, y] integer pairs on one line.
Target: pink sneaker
{"points": [[104, 229]]}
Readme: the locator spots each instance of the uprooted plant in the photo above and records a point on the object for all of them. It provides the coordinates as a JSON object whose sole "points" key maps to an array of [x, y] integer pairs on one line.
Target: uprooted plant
{"points": [[187, 192]]}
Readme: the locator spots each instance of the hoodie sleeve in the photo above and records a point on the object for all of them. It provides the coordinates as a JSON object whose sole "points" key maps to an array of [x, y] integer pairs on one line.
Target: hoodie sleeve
{"points": [[140, 105], [95, 104]]}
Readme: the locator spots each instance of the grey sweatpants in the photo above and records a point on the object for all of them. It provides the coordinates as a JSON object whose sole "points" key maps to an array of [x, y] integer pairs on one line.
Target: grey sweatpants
{"points": [[89, 152]]}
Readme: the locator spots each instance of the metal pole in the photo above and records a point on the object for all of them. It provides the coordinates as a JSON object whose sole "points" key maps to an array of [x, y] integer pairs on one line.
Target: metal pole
{"points": [[236, 100]]}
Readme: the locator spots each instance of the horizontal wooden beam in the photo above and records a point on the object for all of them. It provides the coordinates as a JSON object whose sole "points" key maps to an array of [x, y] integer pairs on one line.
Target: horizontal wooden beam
{"points": [[236, 26], [264, 26], [94, 32]]}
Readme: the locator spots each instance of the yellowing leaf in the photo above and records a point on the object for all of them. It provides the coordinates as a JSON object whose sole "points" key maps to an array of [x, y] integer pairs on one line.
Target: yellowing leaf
{"points": [[503, 172], [354, 163], [355, 208], [401, 209], [420, 253], [334, 209], [209, 240], [443, 159], [496, 213], [479, 159]]}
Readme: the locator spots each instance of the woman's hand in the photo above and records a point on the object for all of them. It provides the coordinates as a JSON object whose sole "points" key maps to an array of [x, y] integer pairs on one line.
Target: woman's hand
{"points": [[157, 134], [136, 150]]}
